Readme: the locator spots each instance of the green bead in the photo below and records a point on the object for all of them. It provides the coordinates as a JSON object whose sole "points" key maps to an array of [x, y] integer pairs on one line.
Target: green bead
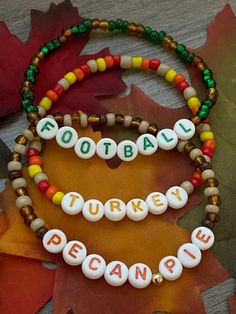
{"points": [[184, 55], [204, 108], [30, 78], [33, 68], [207, 72], [32, 108], [211, 83], [50, 46], [154, 37], [190, 57], [56, 43], [26, 103], [125, 25], [87, 23], [119, 23], [206, 78], [29, 73], [147, 32], [161, 35], [82, 28], [202, 114], [28, 95], [208, 103], [75, 30], [111, 26], [44, 50], [180, 48]]}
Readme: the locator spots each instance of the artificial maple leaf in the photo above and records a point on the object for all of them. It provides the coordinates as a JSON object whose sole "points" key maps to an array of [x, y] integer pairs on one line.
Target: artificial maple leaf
{"points": [[25, 285], [232, 304], [44, 27]]}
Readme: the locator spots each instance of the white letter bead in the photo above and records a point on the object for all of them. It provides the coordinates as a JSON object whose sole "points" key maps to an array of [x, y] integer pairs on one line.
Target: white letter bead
{"points": [[66, 137], [116, 273], [177, 197], [167, 139], [170, 268], [189, 255], [147, 144], [72, 203], [185, 129], [140, 275], [157, 203], [74, 253], [93, 266], [115, 209], [127, 150], [85, 148], [106, 148], [47, 128], [137, 209], [203, 238], [93, 210], [54, 241]]}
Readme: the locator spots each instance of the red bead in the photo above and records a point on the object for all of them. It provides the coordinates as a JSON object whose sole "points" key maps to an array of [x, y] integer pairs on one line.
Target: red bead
{"points": [[58, 89], [207, 151], [182, 85], [43, 186], [116, 60], [85, 68], [154, 64], [32, 152], [197, 175], [196, 183]]}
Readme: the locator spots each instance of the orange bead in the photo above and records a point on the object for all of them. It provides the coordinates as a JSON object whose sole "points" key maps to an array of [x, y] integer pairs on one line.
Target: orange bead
{"points": [[195, 110], [109, 61], [210, 144], [79, 74], [197, 175], [52, 95], [179, 78], [35, 160], [145, 64], [51, 191]]}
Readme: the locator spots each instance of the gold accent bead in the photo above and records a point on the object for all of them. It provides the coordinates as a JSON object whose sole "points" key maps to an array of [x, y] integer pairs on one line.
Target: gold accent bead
{"points": [[35, 61], [140, 30], [103, 25], [21, 191], [15, 156], [93, 119], [75, 118], [167, 41], [33, 117], [62, 39], [196, 120], [21, 139], [67, 32], [40, 55], [173, 45], [95, 23], [157, 279], [202, 66]]}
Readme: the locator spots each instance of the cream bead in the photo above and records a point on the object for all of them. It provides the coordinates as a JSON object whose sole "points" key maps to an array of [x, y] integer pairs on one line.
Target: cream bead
{"points": [[14, 165], [115, 209], [111, 119], [208, 174], [188, 187], [212, 209], [54, 241], [189, 255], [157, 203], [143, 127], [137, 209], [127, 121], [162, 69], [19, 148], [64, 83], [125, 62], [195, 153], [203, 127], [19, 183], [67, 120], [92, 64], [93, 266], [116, 273], [106, 148], [208, 159], [47, 128], [42, 111], [127, 150], [170, 268], [66, 137], [23, 201], [37, 145], [50, 116], [177, 197], [40, 177], [211, 191], [85, 148], [93, 210], [36, 224], [185, 129], [180, 146], [189, 92], [72, 203], [83, 120], [167, 139], [147, 144], [203, 238], [140, 275], [28, 134], [74, 253]]}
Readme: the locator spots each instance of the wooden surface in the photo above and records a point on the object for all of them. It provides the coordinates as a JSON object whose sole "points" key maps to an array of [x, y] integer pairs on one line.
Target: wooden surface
{"points": [[185, 20]]}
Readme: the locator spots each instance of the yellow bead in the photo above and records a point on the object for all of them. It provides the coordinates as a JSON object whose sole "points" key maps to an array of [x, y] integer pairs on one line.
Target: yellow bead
{"points": [[33, 170], [70, 77], [46, 103], [101, 64], [57, 198], [193, 101], [206, 135], [170, 75], [137, 62]]}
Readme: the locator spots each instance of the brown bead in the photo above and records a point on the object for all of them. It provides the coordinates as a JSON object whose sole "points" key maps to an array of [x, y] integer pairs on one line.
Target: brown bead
{"points": [[27, 84], [173, 45], [213, 217], [41, 232], [196, 120], [21, 191], [132, 28], [93, 119], [75, 118], [15, 156], [102, 119], [205, 166], [140, 30], [197, 60], [95, 23], [32, 128], [35, 61], [211, 182], [40, 54], [62, 39], [15, 174], [207, 223], [33, 117], [153, 128], [67, 32], [189, 147], [21, 139], [119, 119], [29, 218], [59, 118], [103, 25], [167, 41], [135, 123], [202, 66], [214, 200], [212, 94], [199, 160], [26, 210]]}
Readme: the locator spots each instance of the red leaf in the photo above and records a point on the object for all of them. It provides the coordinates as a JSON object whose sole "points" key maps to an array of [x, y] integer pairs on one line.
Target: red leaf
{"points": [[15, 57]]}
